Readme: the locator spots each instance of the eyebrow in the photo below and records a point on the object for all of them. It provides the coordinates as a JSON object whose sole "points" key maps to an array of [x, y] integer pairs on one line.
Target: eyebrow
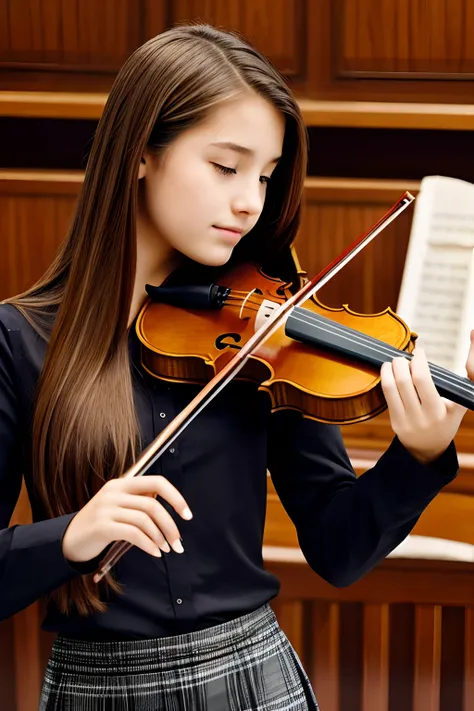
{"points": [[240, 149]]}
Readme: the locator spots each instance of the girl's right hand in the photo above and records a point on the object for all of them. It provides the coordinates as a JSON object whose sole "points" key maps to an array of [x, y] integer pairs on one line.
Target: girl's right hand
{"points": [[125, 510]]}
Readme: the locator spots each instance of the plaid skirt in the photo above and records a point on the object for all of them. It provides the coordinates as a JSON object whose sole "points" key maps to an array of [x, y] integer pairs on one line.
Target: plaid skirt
{"points": [[246, 664]]}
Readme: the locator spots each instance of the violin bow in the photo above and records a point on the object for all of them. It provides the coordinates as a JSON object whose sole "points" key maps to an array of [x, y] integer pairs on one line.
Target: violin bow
{"points": [[159, 445]]}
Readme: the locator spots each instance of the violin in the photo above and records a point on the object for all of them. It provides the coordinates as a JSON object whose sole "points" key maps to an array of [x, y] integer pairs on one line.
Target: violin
{"points": [[320, 361]]}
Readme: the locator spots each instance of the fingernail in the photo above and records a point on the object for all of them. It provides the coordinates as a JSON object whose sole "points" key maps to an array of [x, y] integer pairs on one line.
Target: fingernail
{"points": [[157, 553], [165, 547], [177, 547], [187, 514]]}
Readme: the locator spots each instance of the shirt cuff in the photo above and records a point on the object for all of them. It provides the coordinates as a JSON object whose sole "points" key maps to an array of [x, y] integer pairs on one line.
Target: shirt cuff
{"points": [[83, 567], [423, 479], [36, 553]]}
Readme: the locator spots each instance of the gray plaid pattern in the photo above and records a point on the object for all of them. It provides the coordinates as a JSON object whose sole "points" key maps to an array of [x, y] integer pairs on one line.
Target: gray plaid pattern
{"points": [[246, 664]]}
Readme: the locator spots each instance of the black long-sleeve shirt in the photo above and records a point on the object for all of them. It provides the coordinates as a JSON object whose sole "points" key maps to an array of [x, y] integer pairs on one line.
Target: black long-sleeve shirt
{"points": [[345, 525]]}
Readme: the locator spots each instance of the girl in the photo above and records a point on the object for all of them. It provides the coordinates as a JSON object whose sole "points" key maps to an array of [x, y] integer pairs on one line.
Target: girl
{"points": [[198, 161]]}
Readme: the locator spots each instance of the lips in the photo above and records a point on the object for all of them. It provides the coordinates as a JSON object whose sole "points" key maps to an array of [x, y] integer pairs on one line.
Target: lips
{"points": [[235, 230]]}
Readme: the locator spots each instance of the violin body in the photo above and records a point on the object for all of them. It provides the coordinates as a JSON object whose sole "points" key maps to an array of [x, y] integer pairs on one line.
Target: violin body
{"points": [[192, 345]]}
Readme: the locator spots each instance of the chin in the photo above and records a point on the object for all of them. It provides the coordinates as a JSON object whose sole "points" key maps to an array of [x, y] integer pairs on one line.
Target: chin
{"points": [[214, 258]]}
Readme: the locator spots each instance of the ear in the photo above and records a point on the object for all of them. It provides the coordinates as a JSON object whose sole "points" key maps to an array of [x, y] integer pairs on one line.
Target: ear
{"points": [[142, 168]]}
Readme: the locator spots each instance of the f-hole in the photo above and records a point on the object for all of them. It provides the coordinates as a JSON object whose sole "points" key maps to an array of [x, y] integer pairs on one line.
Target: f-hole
{"points": [[221, 343]]}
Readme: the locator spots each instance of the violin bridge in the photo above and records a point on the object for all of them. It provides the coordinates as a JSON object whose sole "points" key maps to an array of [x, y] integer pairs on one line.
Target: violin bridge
{"points": [[267, 308]]}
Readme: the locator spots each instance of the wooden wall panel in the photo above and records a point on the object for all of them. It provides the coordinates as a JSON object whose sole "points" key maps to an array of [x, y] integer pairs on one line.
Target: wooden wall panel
{"points": [[66, 44], [468, 686], [404, 662], [322, 663], [427, 658], [338, 211], [69, 33], [395, 50], [35, 211], [404, 37], [71, 45], [277, 27], [375, 696], [36, 207]]}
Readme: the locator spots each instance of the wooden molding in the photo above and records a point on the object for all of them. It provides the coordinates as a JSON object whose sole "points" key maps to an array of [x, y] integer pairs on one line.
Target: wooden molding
{"points": [[380, 114], [348, 114]]}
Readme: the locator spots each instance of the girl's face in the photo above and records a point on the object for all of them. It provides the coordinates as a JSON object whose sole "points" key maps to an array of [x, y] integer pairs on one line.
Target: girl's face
{"points": [[207, 189]]}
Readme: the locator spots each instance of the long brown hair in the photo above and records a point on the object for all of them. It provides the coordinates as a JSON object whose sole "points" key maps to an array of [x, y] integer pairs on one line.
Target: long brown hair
{"points": [[85, 429]]}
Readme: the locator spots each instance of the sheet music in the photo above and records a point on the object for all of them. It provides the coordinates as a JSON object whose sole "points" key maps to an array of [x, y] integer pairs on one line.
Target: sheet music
{"points": [[437, 291]]}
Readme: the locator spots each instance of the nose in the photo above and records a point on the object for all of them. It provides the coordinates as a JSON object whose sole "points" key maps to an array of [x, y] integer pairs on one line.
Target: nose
{"points": [[249, 199]]}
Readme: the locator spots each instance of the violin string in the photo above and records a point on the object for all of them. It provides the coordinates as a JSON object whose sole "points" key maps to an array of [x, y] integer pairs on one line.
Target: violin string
{"points": [[383, 350], [248, 307], [255, 302], [346, 333], [241, 294], [234, 294]]}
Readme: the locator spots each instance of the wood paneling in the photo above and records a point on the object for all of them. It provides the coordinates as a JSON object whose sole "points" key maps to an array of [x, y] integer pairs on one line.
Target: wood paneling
{"points": [[63, 38], [395, 50], [323, 660], [404, 37], [468, 686], [375, 658], [35, 211], [36, 207], [369, 50], [71, 45], [277, 27], [367, 651], [335, 213], [29, 664], [427, 658], [290, 614]]}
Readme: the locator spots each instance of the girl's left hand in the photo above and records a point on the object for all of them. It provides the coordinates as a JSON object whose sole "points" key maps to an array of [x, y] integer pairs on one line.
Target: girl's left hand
{"points": [[424, 422]]}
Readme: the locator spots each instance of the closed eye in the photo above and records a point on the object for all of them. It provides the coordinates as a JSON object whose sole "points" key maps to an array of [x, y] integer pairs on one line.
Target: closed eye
{"points": [[224, 170], [264, 179]]}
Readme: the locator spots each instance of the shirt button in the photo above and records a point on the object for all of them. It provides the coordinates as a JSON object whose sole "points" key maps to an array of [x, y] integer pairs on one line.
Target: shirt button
{"points": [[172, 450], [162, 414], [179, 601]]}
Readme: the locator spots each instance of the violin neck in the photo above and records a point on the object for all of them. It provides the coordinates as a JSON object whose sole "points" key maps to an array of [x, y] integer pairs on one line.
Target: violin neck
{"points": [[317, 331]]}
